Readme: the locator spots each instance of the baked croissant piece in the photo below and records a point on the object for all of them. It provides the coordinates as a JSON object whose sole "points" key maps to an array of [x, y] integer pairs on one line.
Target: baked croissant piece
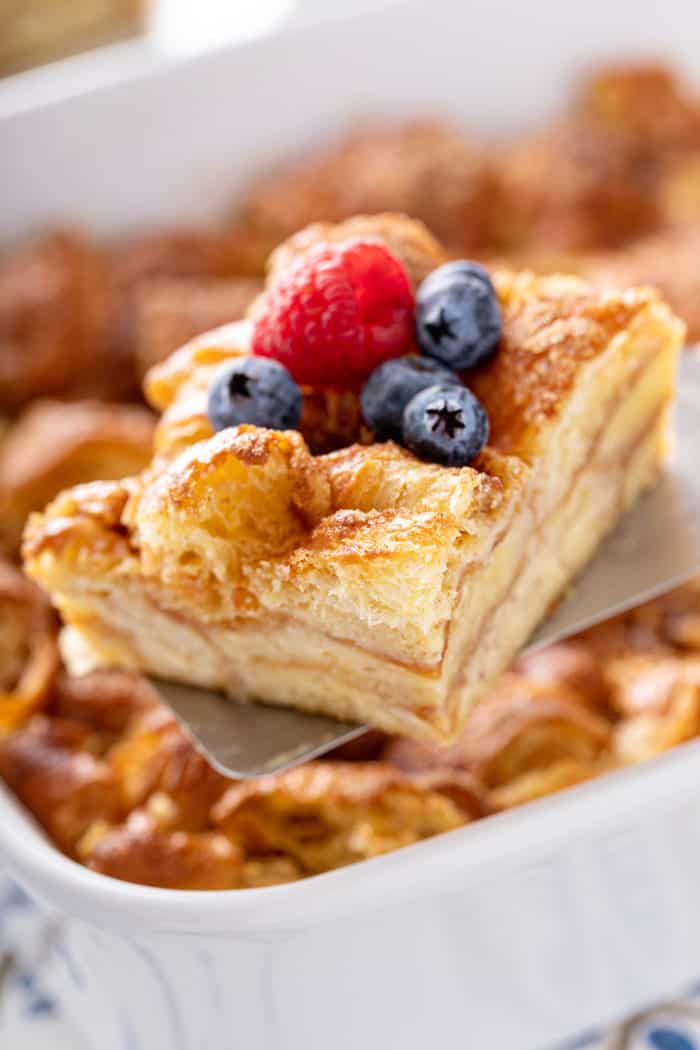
{"points": [[367, 583]]}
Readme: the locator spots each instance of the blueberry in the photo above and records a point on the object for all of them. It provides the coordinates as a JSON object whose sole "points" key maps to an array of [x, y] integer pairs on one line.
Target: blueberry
{"points": [[458, 316], [445, 424], [391, 386], [254, 390]]}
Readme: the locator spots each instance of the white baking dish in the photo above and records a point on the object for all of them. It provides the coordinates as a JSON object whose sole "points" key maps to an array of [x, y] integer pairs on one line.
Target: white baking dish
{"points": [[510, 934]]}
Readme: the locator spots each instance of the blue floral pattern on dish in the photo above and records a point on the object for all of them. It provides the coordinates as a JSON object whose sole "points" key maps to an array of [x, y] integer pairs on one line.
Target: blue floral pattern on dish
{"points": [[664, 1038]]}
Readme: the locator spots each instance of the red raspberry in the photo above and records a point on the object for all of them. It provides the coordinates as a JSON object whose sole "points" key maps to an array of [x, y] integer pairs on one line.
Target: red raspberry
{"points": [[337, 313]]}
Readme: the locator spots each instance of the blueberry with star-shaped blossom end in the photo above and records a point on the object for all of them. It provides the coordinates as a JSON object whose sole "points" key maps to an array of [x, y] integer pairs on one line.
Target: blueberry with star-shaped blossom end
{"points": [[254, 390], [391, 386], [458, 316], [445, 424]]}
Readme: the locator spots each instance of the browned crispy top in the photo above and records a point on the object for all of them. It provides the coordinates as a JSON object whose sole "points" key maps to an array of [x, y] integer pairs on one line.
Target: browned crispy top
{"points": [[552, 327], [55, 444], [50, 431], [259, 512], [28, 647], [668, 260], [169, 311], [55, 306], [646, 102], [523, 724], [426, 168], [409, 240]]}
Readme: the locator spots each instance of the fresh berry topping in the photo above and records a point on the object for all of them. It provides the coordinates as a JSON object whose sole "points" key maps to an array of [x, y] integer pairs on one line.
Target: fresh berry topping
{"points": [[391, 386], [445, 424], [336, 313], [253, 390], [458, 316]]}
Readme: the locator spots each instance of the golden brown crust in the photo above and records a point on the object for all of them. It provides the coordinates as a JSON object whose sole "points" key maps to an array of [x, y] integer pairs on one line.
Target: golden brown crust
{"points": [[28, 648], [152, 811], [185, 257], [659, 700], [51, 766], [86, 517], [166, 253], [201, 355], [157, 758], [647, 102], [29, 42], [55, 311], [178, 387], [669, 260], [520, 728], [326, 814], [426, 169], [73, 313], [54, 445], [570, 663], [406, 238], [246, 495], [107, 701], [168, 312], [600, 175], [679, 192], [536, 732], [551, 327], [19, 598], [141, 851], [570, 188]]}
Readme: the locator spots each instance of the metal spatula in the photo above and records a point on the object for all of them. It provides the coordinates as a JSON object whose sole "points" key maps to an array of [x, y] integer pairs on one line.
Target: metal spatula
{"points": [[656, 547]]}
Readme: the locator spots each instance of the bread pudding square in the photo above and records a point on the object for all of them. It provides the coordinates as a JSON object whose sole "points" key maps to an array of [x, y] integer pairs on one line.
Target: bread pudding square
{"points": [[365, 583]]}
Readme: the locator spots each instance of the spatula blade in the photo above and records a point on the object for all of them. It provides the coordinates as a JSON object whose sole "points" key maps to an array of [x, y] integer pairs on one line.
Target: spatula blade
{"points": [[251, 740]]}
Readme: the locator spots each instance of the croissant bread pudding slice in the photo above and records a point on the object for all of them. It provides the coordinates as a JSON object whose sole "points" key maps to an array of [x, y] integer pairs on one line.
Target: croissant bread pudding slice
{"points": [[365, 582]]}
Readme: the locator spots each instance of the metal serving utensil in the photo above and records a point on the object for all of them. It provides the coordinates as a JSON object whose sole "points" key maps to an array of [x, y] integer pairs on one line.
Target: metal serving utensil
{"points": [[655, 548]]}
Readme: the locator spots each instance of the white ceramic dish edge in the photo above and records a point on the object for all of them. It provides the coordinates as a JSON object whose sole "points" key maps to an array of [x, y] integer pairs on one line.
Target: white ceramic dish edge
{"points": [[468, 856]]}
